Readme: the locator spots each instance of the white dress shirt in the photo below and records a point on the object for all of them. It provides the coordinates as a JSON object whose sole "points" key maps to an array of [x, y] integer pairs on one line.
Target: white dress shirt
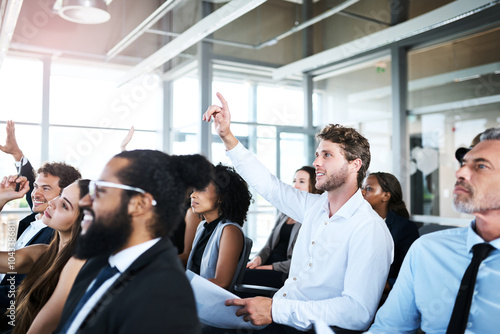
{"points": [[339, 264], [121, 261], [28, 234]]}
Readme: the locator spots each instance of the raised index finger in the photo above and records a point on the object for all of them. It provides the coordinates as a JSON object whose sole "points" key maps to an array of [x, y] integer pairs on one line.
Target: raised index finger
{"points": [[222, 100]]}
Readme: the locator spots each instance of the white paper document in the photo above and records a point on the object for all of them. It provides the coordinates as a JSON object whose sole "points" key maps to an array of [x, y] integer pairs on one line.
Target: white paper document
{"points": [[210, 300], [321, 327]]}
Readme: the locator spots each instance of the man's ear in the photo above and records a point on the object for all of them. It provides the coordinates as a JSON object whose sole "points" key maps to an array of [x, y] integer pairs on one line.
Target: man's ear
{"points": [[356, 164], [140, 204]]}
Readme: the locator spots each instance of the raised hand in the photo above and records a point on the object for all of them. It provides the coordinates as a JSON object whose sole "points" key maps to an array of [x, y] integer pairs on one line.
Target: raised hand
{"points": [[11, 146], [222, 122], [127, 139], [8, 188]]}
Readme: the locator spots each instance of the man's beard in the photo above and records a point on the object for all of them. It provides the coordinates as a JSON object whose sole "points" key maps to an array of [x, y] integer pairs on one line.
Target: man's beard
{"points": [[471, 203], [105, 236], [335, 181]]}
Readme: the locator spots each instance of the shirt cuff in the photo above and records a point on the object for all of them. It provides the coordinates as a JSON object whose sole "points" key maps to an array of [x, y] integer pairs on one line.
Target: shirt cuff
{"points": [[238, 148], [23, 162], [279, 311]]}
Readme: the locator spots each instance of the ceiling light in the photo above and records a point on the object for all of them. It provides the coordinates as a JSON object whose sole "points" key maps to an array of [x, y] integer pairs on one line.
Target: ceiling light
{"points": [[85, 11]]}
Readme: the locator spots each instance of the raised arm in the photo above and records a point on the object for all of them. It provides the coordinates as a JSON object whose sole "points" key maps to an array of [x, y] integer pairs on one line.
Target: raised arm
{"points": [[8, 189], [222, 121], [22, 260], [48, 318]]}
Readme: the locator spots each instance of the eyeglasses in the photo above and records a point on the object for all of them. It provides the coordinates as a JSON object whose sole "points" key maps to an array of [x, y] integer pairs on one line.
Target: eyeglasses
{"points": [[94, 188]]}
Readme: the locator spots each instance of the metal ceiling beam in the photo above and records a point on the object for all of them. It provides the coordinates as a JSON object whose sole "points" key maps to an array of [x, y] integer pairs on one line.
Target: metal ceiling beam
{"points": [[143, 27], [193, 35], [443, 15]]}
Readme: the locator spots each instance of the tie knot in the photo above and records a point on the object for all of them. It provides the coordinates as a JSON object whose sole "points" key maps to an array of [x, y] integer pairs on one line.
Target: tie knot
{"points": [[482, 250]]}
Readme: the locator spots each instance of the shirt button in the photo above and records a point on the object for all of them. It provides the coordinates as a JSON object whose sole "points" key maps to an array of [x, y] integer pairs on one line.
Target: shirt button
{"points": [[475, 292], [310, 264], [469, 324], [325, 223], [284, 295], [314, 242], [295, 278]]}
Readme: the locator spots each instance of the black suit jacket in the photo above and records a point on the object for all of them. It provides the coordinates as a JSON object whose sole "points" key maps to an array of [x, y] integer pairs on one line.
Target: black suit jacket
{"points": [[152, 296], [404, 232], [44, 236]]}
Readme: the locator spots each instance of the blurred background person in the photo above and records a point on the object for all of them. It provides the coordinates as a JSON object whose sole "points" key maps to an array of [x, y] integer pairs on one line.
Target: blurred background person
{"points": [[271, 265]]}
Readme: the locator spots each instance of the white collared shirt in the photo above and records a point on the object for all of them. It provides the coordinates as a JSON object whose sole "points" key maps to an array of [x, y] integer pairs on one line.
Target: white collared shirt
{"points": [[121, 261], [28, 234], [339, 264]]}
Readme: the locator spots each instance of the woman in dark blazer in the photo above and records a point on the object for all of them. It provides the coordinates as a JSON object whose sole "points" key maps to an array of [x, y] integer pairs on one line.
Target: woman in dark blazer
{"points": [[383, 192], [271, 265]]}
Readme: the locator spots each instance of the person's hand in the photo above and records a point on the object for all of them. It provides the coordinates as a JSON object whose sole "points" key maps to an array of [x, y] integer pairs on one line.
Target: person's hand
{"points": [[127, 139], [11, 146], [266, 267], [257, 261], [8, 188], [257, 310], [222, 122]]}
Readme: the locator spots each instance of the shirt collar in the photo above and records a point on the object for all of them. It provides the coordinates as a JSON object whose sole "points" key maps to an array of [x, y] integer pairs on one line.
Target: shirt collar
{"points": [[38, 224], [122, 260], [349, 207], [473, 238]]}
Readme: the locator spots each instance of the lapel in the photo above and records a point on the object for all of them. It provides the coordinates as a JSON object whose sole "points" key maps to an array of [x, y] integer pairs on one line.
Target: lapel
{"points": [[126, 277]]}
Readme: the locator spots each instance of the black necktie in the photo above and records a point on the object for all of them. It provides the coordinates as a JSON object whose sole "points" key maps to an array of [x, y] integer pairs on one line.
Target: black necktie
{"points": [[105, 274], [460, 315]]}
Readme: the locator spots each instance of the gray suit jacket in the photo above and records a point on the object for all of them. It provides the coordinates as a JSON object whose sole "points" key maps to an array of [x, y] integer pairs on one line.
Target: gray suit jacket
{"points": [[273, 240]]}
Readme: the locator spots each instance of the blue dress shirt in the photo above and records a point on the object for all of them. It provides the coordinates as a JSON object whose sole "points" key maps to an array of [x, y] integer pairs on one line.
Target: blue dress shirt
{"points": [[427, 286]]}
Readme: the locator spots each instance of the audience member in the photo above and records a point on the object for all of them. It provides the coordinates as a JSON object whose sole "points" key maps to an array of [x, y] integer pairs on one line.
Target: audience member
{"points": [[219, 243], [383, 192], [342, 255], [51, 179], [183, 235], [133, 281], [271, 265], [432, 292], [44, 263]]}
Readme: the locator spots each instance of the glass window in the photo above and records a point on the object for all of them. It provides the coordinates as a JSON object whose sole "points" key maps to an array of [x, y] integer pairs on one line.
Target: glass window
{"points": [[21, 90], [237, 97], [90, 149], [186, 116], [361, 98], [280, 105], [90, 96], [454, 94]]}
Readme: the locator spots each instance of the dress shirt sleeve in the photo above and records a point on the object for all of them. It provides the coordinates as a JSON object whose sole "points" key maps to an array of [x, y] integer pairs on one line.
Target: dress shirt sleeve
{"points": [[292, 202], [369, 257], [400, 314]]}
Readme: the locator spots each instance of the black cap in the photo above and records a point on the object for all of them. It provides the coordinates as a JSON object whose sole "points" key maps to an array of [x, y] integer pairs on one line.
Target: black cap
{"points": [[461, 152]]}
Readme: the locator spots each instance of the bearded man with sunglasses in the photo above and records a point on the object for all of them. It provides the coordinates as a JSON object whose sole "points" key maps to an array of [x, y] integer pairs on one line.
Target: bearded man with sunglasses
{"points": [[133, 281]]}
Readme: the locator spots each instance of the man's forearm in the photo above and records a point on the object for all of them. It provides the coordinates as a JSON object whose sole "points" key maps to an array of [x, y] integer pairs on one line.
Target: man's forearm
{"points": [[229, 141]]}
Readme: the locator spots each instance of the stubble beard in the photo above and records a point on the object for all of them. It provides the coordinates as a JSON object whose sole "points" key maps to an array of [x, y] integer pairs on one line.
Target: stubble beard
{"points": [[336, 180]]}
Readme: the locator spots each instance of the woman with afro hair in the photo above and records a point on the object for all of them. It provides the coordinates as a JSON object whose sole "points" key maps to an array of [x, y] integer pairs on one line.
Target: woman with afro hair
{"points": [[219, 243]]}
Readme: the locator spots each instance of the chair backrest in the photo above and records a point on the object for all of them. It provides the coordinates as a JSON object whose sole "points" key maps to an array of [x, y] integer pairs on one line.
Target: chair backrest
{"points": [[242, 263]]}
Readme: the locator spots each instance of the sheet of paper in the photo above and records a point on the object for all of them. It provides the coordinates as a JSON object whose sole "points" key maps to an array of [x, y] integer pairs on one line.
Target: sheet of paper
{"points": [[321, 327], [210, 300]]}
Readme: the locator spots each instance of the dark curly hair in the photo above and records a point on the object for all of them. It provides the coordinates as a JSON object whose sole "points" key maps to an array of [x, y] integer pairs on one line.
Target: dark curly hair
{"points": [[67, 174], [352, 143], [233, 194], [389, 183], [166, 178]]}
